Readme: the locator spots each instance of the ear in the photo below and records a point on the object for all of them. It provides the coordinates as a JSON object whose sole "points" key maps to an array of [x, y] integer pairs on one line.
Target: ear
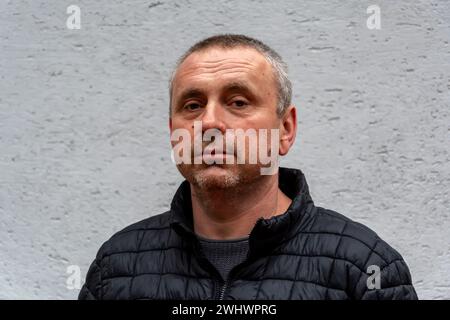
{"points": [[288, 130], [170, 124]]}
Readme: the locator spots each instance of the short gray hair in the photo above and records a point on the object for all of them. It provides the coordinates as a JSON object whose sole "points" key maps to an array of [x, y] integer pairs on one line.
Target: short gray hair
{"points": [[230, 41]]}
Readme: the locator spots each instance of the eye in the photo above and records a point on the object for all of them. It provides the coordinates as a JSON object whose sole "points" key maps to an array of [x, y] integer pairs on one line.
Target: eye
{"points": [[239, 103], [192, 106]]}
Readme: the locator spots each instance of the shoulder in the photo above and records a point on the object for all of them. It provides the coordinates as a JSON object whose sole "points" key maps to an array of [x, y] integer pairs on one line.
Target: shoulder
{"points": [[115, 257], [355, 241], [129, 239], [365, 253]]}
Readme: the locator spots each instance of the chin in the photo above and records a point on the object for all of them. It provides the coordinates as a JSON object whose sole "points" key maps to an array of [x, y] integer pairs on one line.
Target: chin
{"points": [[221, 176], [216, 177]]}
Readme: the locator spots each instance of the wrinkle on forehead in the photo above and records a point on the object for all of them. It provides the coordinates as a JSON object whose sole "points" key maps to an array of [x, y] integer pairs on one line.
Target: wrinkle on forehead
{"points": [[211, 64], [213, 68]]}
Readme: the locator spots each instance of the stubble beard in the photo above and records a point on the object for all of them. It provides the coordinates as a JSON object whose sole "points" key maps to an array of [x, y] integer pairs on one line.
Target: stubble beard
{"points": [[221, 177]]}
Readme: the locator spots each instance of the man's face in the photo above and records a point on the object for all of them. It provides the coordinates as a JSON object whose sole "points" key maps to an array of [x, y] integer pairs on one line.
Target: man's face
{"points": [[224, 89]]}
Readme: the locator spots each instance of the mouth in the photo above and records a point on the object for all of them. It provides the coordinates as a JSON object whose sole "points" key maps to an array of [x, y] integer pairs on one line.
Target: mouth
{"points": [[216, 155], [213, 152], [212, 157]]}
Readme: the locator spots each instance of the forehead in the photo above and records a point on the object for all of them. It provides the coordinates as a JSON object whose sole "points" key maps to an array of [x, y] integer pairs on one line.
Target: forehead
{"points": [[215, 65]]}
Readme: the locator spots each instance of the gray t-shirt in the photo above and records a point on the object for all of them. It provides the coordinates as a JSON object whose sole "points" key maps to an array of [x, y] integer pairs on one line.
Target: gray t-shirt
{"points": [[225, 254]]}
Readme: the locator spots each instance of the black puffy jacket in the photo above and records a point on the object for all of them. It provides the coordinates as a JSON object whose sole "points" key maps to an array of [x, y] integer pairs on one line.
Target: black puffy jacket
{"points": [[306, 253]]}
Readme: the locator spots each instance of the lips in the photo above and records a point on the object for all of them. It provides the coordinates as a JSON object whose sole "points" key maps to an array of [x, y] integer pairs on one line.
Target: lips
{"points": [[215, 155], [213, 151], [220, 158], [211, 157]]}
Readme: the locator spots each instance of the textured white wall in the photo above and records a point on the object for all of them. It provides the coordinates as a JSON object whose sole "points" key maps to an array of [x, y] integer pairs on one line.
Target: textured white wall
{"points": [[84, 144]]}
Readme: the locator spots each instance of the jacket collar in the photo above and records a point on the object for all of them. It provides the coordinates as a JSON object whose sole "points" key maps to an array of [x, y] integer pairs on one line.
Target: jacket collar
{"points": [[267, 233]]}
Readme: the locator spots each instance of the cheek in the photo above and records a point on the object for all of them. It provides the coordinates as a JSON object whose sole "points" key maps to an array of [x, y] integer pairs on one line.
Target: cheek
{"points": [[181, 124], [265, 120]]}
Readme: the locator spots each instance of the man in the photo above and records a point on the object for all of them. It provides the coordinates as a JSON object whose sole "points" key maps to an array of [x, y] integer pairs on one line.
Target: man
{"points": [[234, 232]]}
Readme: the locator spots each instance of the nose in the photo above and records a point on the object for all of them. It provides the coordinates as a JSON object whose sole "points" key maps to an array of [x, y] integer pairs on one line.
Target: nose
{"points": [[213, 117]]}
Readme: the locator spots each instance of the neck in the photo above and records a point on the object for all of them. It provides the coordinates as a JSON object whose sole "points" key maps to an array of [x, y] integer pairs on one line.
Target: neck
{"points": [[232, 213]]}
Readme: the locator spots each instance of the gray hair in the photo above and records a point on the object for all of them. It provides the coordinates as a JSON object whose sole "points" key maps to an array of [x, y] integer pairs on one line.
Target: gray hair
{"points": [[230, 41]]}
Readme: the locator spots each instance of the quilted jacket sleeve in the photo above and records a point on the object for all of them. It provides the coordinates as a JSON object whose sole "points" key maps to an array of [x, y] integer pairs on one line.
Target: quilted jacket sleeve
{"points": [[395, 280], [91, 288]]}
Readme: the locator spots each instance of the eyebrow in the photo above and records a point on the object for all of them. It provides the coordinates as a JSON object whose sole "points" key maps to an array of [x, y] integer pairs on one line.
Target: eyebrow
{"points": [[231, 86], [190, 93], [238, 86]]}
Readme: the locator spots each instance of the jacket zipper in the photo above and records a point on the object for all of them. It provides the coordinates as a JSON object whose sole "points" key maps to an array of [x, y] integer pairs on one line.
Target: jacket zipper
{"points": [[223, 289], [229, 279], [220, 295]]}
